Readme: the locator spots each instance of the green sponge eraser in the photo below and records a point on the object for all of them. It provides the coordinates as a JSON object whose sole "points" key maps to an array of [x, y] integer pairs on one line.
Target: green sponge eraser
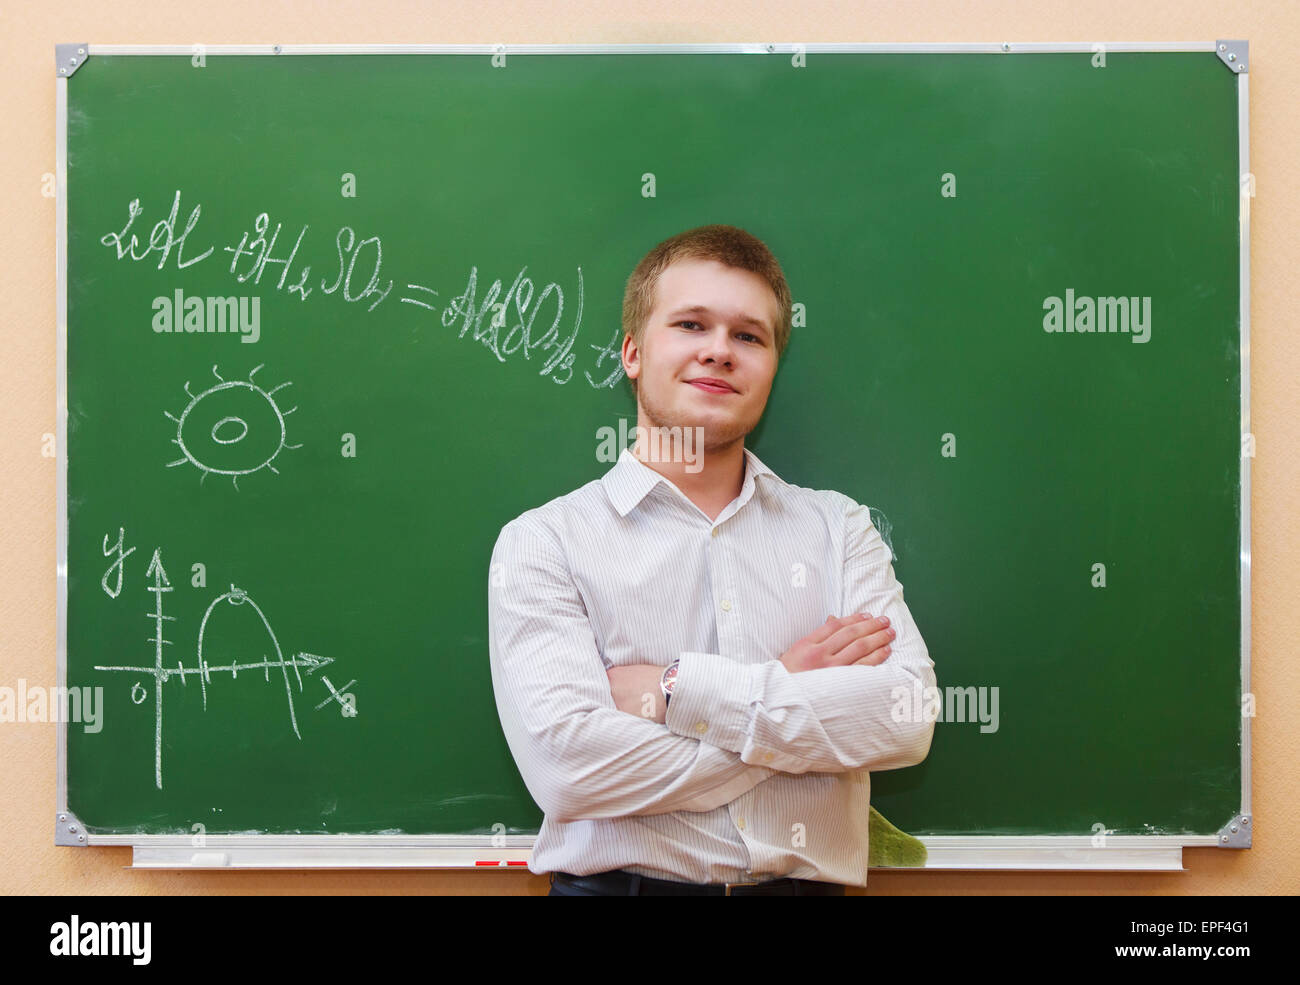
{"points": [[891, 847]]}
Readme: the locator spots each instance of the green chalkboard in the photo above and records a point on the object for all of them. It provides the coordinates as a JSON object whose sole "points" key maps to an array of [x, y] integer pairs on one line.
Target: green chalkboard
{"points": [[433, 249]]}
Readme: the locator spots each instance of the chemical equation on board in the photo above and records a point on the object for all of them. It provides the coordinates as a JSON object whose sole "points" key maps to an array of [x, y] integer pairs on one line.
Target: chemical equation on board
{"points": [[214, 433], [161, 672], [503, 325]]}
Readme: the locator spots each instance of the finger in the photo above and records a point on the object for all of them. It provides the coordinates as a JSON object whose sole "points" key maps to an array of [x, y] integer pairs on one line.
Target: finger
{"points": [[826, 630], [861, 647], [834, 624], [855, 630], [876, 658]]}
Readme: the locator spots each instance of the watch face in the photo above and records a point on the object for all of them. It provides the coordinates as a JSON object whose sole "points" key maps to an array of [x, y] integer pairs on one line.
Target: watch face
{"points": [[670, 678]]}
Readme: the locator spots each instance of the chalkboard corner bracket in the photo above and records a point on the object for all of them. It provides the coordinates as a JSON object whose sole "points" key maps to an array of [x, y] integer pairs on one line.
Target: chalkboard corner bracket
{"points": [[1236, 833], [1234, 54], [68, 830], [68, 58]]}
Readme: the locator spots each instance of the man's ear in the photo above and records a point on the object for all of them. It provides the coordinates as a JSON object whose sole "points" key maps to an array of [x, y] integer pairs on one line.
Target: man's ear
{"points": [[631, 356]]}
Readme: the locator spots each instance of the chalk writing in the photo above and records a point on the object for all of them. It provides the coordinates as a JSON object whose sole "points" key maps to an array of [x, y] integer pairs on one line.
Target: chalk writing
{"points": [[884, 528], [160, 673], [506, 325], [489, 318], [611, 351], [212, 430], [119, 563], [161, 240], [348, 702], [346, 279]]}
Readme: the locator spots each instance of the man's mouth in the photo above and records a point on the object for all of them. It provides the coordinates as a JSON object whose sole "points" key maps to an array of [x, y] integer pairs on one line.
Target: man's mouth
{"points": [[710, 385]]}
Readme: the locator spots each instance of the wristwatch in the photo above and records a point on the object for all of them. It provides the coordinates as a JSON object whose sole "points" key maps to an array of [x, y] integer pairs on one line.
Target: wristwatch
{"points": [[667, 681]]}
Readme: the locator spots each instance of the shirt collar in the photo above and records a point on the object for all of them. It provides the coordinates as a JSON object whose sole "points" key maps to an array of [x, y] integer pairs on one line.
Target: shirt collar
{"points": [[630, 480]]}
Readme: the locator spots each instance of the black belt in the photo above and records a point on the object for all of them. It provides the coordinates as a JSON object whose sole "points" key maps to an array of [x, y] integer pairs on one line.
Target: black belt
{"points": [[621, 883]]}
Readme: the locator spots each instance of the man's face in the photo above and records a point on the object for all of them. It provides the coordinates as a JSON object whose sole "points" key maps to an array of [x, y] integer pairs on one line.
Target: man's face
{"points": [[699, 330]]}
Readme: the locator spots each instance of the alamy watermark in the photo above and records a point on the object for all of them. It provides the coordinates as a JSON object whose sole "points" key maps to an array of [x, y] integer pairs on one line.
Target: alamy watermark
{"points": [[102, 938], [1131, 316], [657, 444], [53, 704], [948, 704], [195, 315]]}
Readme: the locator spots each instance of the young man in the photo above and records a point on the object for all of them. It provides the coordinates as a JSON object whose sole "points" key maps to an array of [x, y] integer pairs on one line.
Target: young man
{"points": [[675, 696]]}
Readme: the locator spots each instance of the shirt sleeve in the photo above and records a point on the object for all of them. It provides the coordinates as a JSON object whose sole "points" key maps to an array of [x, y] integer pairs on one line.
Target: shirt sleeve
{"points": [[579, 755], [828, 720]]}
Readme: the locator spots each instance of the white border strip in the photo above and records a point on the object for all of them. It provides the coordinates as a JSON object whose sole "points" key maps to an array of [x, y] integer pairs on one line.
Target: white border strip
{"points": [[1120, 854], [1072, 853], [757, 48], [1243, 150], [61, 417]]}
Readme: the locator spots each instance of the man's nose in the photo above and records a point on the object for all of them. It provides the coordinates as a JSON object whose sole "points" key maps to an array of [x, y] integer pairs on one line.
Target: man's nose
{"points": [[718, 347]]}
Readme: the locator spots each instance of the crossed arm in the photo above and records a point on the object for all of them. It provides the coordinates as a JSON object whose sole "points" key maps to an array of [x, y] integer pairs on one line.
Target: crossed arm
{"points": [[579, 756], [729, 726], [828, 719]]}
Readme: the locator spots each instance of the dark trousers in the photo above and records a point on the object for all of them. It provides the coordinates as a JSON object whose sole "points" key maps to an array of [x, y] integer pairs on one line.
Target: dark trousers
{"points": [[621, 883]]}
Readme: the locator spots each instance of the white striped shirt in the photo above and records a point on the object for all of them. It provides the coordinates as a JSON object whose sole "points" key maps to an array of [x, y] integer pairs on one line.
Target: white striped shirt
{"points": [[759, 773]]}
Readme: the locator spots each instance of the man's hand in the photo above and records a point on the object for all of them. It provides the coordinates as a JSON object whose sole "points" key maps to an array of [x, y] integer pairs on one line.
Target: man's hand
{"points": [[636, 690], [857, 639]]}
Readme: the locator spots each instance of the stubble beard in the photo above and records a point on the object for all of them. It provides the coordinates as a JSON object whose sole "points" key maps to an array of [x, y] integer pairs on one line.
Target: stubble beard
{"points": [[716, 438]]}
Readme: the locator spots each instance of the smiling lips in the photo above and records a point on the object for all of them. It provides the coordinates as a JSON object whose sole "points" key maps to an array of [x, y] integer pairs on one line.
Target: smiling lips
{"points": [[710, 385]]}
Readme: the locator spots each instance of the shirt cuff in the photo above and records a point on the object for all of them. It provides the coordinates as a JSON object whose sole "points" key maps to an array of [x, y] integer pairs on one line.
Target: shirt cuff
{"points": [[711, 700]]}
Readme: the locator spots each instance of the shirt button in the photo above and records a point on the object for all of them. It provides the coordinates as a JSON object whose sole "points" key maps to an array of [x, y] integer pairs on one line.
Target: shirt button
{"points": [[740, 823], [701, 727], [726, 606], [715, 531], [767, 757]]}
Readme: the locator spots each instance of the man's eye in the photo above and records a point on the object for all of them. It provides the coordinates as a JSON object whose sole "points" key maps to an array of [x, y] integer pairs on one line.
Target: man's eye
{"points": [[748, 337]]}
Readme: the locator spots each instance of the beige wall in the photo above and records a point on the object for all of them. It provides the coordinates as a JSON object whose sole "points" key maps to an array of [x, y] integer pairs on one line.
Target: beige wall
{"points": [[29, 862]]}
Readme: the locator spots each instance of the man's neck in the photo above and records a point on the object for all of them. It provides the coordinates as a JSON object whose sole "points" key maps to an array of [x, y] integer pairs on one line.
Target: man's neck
{"points": [[712, 481]]}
